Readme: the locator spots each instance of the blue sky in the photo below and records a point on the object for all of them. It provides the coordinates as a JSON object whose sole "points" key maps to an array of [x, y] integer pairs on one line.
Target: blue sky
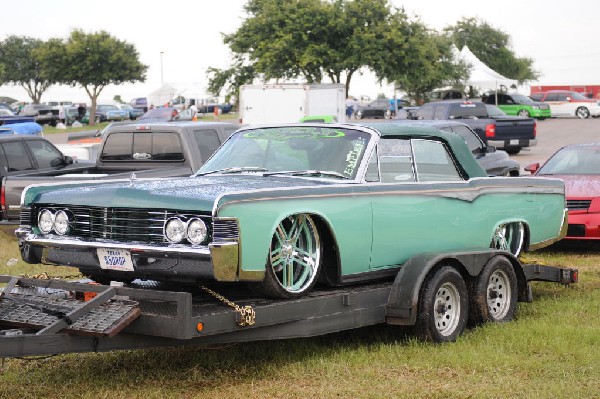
{"points": [[561, 37]]}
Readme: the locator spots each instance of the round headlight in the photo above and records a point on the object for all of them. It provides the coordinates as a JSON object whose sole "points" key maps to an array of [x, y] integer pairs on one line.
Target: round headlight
{"points": [[61, 223], [45, 221], [175, 230], [196, 231]]}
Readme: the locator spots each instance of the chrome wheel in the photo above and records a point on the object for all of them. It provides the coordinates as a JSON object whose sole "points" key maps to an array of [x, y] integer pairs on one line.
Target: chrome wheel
{"points": [[447, 309], [509, 237], [294, 257], [582, 113], [359, 114], [499, 295], [524, 113]]}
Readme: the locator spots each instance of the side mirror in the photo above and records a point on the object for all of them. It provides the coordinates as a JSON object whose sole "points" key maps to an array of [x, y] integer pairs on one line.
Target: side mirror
{"points": [[532, 168], [68, 160], [568, 99]]}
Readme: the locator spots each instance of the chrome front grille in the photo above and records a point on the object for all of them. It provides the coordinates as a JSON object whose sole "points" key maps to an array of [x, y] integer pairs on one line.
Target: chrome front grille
{"points": [[25, 217], [578, 205], [225, 230], [118, 224]]}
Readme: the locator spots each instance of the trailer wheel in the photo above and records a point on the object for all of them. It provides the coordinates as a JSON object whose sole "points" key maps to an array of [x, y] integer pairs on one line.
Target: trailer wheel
{"points": [[509, 237], [494, 293], [294, 260], [443, 306]]}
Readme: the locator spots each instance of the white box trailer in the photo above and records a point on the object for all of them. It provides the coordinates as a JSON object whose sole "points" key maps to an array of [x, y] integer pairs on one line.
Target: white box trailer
{"points": [[287, 103]]}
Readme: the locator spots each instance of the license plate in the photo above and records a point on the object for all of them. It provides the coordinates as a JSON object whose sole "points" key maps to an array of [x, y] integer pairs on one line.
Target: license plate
{"points": [[115, 259], [516, 142]]}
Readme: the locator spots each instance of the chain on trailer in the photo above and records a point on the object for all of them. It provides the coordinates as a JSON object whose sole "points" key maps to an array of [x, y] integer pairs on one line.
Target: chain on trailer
{"points": [[245, 314]]}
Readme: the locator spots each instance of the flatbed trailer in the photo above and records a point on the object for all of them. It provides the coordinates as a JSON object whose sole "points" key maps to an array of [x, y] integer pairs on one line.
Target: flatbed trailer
{"points": [[52, 316]]}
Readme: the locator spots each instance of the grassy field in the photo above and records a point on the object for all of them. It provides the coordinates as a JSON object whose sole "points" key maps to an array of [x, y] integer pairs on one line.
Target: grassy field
{"points": [[550, 351]]}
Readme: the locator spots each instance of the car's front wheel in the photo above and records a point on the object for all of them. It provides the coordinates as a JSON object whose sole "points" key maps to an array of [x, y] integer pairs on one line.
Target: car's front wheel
{"points": [[294, 259], [582, 113]]}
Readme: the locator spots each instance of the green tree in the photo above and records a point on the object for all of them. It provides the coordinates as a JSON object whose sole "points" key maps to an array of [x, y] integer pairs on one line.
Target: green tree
{"points": [[492, 47], [425, 63], [311, 39], [94, 61], [22, 63]]}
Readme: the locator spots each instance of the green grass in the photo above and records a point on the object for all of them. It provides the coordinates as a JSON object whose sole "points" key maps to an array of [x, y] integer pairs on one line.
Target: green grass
{"points": [[549, 351]]}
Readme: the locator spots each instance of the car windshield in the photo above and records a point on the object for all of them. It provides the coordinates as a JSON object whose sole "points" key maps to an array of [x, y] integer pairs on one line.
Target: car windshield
{"points": [[313, 151], [573, 161], [520, 99]]}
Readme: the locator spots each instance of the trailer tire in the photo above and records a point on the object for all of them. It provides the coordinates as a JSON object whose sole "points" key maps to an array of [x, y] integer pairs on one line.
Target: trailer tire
{"points": [[294, 260], [443, 306], [493, 293]]}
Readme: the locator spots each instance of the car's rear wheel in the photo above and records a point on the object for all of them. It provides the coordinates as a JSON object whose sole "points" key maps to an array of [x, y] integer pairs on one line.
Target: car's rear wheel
{"points": [[509, 237], [523, 113], [443, 306], [582, 113], [387, 114], [359, 114], [294, 260]]}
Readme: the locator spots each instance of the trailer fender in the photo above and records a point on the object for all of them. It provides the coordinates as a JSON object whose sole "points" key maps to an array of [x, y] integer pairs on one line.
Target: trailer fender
{"points": [[404, 296]]}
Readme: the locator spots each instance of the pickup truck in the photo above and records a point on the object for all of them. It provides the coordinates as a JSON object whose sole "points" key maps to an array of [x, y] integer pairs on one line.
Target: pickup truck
{"points": [[149, 150], [494, 127]]}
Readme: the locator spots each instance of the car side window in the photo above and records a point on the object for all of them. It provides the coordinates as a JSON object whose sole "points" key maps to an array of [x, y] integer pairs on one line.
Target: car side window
{"points": [[43, 153], [207, 142], [17, 158], [551, 97], [433, 162], [395, 161], [471, 138]]}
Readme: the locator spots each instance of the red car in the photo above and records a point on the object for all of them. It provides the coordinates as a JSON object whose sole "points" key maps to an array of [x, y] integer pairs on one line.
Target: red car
{"points": [[579, 166]]}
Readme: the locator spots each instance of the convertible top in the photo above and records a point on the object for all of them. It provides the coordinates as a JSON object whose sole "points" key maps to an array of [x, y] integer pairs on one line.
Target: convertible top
{"points": [[456, 142]]}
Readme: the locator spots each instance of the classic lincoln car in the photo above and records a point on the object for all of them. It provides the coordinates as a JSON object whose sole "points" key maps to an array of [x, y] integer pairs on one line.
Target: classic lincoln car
{"points": [[282, 207]]}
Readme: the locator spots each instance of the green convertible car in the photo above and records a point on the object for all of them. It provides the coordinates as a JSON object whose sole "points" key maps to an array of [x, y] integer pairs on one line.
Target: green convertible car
{"points": [[285, 206]]}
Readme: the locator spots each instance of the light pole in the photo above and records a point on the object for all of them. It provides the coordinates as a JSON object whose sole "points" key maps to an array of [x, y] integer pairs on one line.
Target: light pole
{"points": [[161, 67]]}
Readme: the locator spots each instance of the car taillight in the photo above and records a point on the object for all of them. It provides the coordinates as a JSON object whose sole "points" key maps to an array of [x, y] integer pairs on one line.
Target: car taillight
{"points": [[534, 129], [490, 130]]}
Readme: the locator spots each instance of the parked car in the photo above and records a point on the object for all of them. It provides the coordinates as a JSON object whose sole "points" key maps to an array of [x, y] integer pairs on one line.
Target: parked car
{"points": [[569, 103], [42, 114], [132, 113], [518, 104], [376, 109], [578, 166], [26, 128], [109, 112], [139, 103], [444, 94], [495, 162], [166, 114], [319, 118], [284, 206]]}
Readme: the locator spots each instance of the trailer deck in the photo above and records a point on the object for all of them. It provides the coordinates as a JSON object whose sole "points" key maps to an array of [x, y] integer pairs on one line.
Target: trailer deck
{"points": [[41, 317]]}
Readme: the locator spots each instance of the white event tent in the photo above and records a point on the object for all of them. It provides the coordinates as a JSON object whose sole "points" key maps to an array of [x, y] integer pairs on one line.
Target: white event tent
{"points": [[168, 91], [481, 75]]}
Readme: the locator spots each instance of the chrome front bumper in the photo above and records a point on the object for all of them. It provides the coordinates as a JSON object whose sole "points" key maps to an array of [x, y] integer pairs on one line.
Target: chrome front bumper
{"points": [[218, 260]]}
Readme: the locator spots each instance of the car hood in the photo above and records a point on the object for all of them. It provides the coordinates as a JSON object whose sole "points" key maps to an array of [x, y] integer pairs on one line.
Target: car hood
{"points": [[190, 193], [580, 185]]}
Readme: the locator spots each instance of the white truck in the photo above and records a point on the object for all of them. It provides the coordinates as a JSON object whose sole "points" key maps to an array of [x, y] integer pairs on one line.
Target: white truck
{"points": [[281, 103]]}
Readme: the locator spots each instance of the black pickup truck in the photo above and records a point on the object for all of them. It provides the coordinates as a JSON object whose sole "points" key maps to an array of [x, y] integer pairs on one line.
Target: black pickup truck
{"points": [[494, 127], [148, 150]]}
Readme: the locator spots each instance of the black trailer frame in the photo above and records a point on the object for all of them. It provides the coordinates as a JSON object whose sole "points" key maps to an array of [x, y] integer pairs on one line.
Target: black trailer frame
{"points": [[119, 318]]}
